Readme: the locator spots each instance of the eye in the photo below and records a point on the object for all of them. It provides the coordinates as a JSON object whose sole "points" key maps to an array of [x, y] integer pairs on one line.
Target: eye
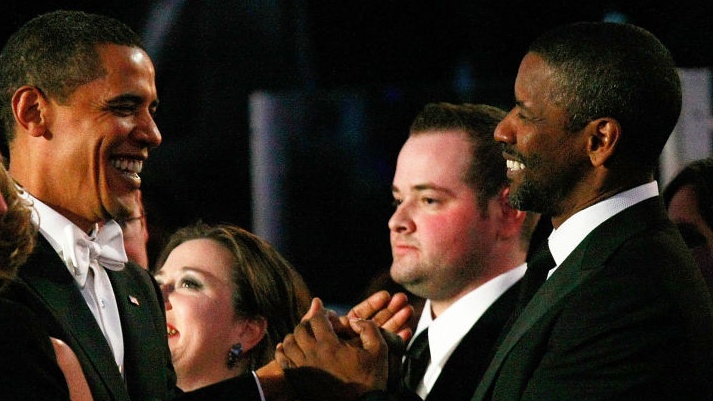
{"points": [[190, 284], [429, 201], [123, 110], [396, 202]]}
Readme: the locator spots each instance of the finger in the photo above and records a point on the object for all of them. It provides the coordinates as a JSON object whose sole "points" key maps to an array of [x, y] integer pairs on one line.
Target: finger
{"points": [[371, 339], [281, 358], [322, 328], [315, 306], [367, 308], [405, 334], [398, 321], [292, 351], [398, 302]]}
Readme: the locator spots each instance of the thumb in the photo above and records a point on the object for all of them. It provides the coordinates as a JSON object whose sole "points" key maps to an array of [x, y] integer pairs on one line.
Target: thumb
{"points": [[315, 307], [371, 339]]}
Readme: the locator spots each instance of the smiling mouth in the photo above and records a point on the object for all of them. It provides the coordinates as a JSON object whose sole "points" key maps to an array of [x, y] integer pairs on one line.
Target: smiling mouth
{"points": [[513, 165], [128, 167], [171, 331]]}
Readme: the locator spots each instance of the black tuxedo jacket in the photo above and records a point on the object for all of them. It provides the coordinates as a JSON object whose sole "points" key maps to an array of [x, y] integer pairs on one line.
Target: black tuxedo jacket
{"points": [[28, 366], [626, 316], [45, 286], [467, 363]]}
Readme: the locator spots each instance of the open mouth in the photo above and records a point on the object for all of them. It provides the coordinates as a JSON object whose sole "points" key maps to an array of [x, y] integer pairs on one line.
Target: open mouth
{"points": [[513, 165], [171, 331], [131, 168]]}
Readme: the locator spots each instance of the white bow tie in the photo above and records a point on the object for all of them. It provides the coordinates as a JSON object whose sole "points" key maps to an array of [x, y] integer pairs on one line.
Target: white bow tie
{"points": [[107, 249]]}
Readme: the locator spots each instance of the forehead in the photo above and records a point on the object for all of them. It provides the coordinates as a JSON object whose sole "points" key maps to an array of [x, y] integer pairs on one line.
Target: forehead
{"points": [[203, 255], [127, 70], [441, 157], [534, 78]]}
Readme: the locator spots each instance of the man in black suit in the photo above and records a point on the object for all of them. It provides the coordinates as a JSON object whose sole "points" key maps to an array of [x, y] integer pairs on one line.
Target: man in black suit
{"points": [[623, 313], [456, 242], [77, 99]]}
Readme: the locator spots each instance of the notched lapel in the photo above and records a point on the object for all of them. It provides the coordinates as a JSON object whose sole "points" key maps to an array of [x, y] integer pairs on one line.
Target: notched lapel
{"points": [[48, 278]]}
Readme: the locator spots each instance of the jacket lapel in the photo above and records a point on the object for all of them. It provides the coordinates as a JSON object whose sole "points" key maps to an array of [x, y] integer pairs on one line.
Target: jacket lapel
{"points": [[47, 276], [144, 330], [589, 255]]}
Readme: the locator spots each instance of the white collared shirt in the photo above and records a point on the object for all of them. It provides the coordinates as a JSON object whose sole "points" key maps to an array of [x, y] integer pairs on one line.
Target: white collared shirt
{"points": [[51, 225], [567, 237], [447, 330]]}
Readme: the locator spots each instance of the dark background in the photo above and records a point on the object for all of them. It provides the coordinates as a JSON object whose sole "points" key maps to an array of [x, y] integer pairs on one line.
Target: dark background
{"points": [[360, 71]]}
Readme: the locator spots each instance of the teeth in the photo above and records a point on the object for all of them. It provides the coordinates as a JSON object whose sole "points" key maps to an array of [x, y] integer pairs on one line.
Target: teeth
{"points": [[514, 165], [130, 166], [171, 332]]}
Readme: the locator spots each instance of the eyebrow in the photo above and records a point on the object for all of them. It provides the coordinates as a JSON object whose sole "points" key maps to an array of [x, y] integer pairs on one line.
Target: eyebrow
{"points": [[425, 187], [130, 98]]}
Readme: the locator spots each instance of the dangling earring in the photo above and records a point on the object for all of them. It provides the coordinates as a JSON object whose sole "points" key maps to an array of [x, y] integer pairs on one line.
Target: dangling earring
{"points": [[234, 354]]}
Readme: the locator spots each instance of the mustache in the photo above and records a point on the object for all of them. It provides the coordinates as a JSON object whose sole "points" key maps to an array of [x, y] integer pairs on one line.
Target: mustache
{"points": [[510, 152]]}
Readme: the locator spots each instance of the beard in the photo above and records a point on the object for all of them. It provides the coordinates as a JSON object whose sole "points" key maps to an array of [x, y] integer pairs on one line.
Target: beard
{"points": [[547, 193]]}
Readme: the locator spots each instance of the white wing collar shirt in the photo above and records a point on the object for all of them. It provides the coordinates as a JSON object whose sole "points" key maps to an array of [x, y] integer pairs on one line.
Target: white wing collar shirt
{"points": [[447, 330], [564, 239], [87, 256]]}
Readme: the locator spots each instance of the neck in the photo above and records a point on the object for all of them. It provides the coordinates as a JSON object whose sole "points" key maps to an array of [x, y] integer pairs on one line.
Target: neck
{"points": [[189, 381]]}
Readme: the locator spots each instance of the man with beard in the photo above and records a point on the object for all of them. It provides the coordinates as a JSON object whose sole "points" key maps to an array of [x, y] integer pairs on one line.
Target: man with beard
{"points": [[622, 312]]}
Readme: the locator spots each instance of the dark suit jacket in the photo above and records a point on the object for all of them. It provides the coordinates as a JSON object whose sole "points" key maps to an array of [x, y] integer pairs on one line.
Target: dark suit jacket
{"points": [[467, 363], [626, 316], [46, 287], [28, 366]]}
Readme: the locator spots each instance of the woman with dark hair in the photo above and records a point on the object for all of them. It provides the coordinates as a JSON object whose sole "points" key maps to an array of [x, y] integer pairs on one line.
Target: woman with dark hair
{"points": [[230, 297]]}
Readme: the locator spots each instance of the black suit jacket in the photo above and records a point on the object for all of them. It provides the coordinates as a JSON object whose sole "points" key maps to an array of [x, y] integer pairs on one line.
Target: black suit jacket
{"points": [[625, 317], [467, 363], [28, 366], [46, 287]]}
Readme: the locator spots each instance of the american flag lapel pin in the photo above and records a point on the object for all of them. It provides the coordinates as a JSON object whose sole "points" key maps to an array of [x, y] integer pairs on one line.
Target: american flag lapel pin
{"points": [[133, 300]]}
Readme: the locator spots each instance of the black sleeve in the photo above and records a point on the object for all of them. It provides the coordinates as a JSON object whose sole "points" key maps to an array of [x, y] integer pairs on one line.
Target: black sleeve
{"points": [[28, 365]]}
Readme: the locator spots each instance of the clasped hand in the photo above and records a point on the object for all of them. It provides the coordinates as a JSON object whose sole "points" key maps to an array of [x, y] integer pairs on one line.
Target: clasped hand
{"points": [[346, 355]]}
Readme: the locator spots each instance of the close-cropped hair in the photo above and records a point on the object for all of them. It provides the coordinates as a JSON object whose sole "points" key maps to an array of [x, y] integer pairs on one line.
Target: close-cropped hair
{"points": [[17, 233], [621, 71], [266, 284], [487, 173], [56, 53]]}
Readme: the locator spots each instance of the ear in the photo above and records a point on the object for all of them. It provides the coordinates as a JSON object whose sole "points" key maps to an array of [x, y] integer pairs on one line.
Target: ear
{"points": [[605, 134], [511, 219], [249, 332], [31, 108]]}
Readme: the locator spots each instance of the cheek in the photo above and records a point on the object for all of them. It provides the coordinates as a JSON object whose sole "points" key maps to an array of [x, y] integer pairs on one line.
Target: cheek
{"points": [[447, 233]]}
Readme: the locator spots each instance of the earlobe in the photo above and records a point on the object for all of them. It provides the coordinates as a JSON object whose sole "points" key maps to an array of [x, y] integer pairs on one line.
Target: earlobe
{"points": [[29, 106], [511, 218], [603, 140]]}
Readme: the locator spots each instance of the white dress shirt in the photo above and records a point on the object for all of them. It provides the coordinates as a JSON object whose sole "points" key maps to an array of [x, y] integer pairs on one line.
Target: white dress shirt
{"points": [[102, 304], [565, 239], [447, 330]]}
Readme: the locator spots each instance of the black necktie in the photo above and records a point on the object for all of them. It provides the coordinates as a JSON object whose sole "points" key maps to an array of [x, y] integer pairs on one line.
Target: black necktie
{"points": [[417, 357], [538, 266]]}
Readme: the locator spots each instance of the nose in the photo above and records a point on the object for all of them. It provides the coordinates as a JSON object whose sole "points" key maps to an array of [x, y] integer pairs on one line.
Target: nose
{"points": [[504, 131], [401, 221], [166, 289], [147, 132]]}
